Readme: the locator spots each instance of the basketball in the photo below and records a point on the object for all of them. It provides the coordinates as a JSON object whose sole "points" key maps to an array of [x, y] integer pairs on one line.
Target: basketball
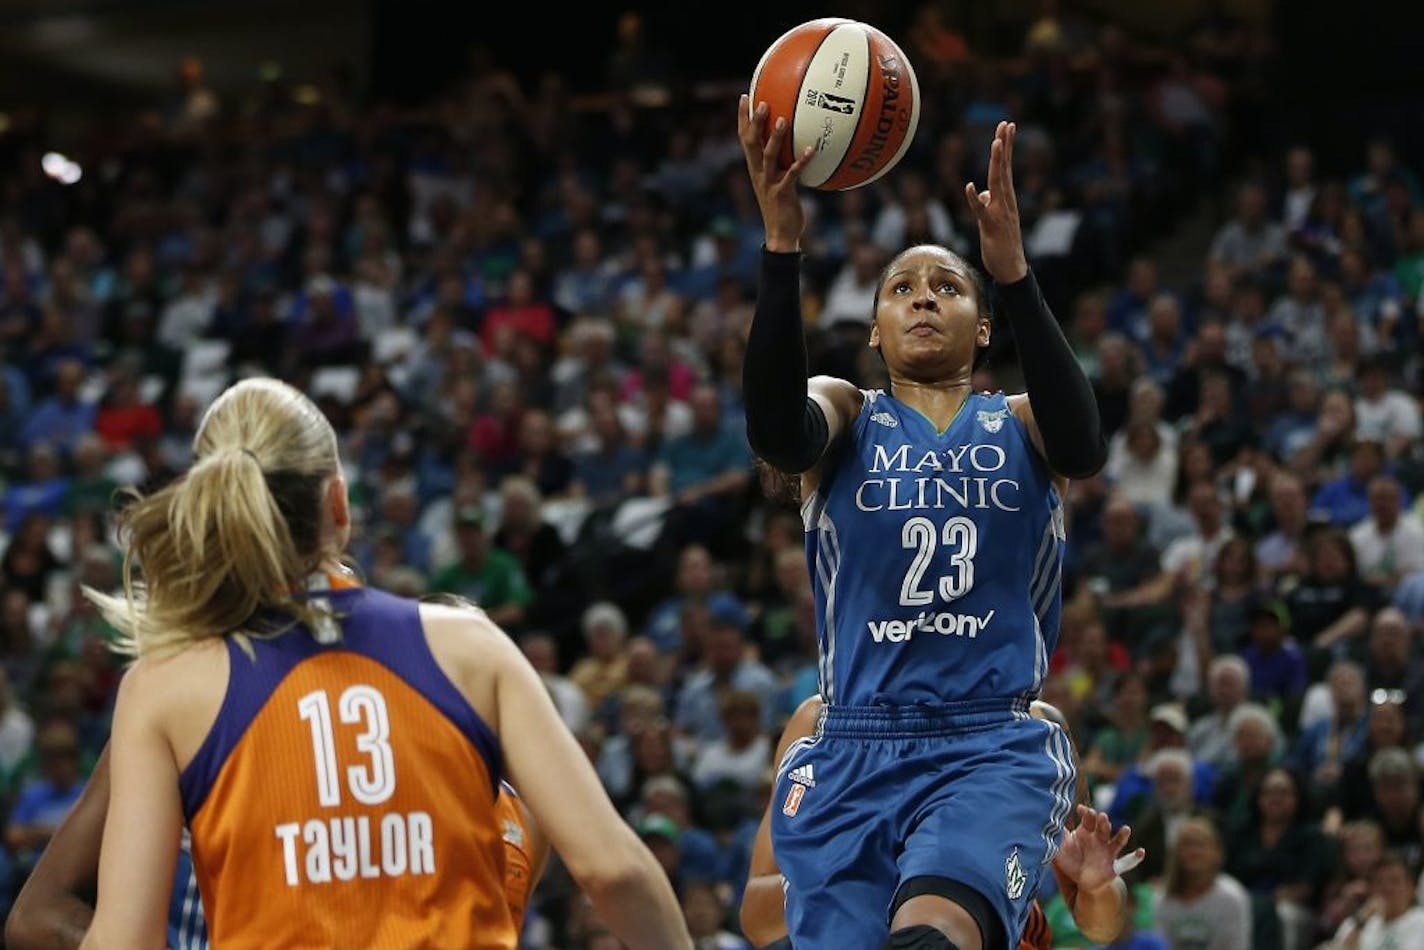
{"points": [[845, 88]]}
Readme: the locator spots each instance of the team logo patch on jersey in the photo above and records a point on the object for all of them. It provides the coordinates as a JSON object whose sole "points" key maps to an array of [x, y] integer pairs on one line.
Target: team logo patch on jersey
{"points": [[992, 421], [885, 419], [1014, 876], [513, 834]]}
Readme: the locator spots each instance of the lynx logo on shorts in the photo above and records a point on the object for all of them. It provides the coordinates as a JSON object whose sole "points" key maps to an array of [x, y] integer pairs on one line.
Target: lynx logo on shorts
{"points": [[1014, 876], [992, 421]]}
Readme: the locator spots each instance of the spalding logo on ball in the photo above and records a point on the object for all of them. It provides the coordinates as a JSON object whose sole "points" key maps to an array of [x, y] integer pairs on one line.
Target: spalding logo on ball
{"points": [[847, 89]]}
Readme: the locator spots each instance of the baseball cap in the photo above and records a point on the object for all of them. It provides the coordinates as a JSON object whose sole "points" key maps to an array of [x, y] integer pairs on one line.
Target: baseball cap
{"points": [[1170, 714], [1274, 609], [658, 824]]}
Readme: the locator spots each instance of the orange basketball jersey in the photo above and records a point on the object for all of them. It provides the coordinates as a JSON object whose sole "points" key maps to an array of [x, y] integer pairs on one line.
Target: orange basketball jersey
{"points": [[1037, 932], [346, 795]]}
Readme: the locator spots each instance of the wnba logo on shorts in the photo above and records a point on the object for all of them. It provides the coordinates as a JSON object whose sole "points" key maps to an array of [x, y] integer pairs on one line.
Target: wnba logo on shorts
{"points": [[793, 799]]}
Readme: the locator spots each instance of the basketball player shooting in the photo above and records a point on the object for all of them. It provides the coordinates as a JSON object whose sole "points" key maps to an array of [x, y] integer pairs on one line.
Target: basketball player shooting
{"points": [[929, 803]]}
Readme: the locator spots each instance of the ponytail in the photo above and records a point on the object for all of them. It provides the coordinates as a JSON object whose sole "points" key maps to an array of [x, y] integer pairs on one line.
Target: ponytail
{"points": [[231, 541]]}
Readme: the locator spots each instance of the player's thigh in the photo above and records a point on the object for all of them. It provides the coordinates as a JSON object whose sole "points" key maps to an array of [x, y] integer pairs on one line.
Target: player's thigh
{"points": [[996, 825], [831, 832]]}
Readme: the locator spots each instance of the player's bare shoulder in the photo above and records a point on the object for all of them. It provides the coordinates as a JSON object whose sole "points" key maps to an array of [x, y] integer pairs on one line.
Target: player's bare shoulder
{"points": [[469, 647]]}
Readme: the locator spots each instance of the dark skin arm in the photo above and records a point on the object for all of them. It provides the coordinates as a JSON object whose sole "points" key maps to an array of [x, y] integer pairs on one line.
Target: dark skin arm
{"points": [[49, 914]]}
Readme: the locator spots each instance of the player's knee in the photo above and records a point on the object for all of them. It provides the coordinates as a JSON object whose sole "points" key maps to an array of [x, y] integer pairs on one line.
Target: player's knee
{"points": [[919, 937]]}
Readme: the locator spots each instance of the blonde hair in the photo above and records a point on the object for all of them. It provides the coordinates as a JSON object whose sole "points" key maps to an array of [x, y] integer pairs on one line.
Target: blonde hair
{"points": [[237, 534]]}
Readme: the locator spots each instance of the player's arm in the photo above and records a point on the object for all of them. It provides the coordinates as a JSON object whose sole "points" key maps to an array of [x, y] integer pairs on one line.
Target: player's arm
{"points": [[627, 886], [49, 914], [763, 914], [789, 423], [1060, 410], [140, 842]]}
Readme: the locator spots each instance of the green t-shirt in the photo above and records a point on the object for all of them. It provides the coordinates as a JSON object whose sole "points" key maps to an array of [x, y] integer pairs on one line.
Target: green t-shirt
{"points": [[498, 583]]}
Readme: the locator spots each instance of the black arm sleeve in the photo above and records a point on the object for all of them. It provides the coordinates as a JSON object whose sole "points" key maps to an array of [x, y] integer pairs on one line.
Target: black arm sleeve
{"points": [[1059, 391], [784, 425]]}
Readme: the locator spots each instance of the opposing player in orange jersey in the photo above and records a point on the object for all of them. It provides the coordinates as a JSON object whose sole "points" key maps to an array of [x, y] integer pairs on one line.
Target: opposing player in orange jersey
{"points": [[335, 751], [1087, 865]]}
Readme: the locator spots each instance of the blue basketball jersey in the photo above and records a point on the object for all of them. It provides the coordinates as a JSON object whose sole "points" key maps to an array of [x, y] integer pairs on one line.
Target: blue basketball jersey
{"points": [[936, 558], [187, 927]]}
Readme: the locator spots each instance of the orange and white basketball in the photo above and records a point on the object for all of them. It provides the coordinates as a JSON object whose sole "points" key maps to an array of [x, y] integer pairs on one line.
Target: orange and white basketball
{"points": [[846, 88]]}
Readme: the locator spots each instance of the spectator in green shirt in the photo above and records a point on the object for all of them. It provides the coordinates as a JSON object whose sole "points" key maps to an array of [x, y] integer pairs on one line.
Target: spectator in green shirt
{"points": [[484, 574]]}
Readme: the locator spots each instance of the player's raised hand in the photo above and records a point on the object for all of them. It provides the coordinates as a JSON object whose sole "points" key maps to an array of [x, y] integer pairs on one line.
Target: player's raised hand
{"points": [[775, 187], [1089, 853], [997, 212]]}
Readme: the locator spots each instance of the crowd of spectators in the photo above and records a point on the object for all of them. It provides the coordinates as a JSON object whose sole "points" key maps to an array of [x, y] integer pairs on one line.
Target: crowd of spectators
{"points": [[524, 312]]}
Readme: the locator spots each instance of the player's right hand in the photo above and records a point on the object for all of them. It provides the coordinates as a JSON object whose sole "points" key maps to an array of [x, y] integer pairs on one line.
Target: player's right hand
{"points": [[775, 187]]}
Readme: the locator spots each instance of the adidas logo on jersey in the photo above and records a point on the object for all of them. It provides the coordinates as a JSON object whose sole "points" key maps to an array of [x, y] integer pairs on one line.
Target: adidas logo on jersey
{"points": [[885, 419], [804, 776]]}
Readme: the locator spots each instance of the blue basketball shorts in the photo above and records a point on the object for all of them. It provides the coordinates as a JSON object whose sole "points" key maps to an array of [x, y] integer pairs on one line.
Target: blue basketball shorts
{"points": [[881, 795]]}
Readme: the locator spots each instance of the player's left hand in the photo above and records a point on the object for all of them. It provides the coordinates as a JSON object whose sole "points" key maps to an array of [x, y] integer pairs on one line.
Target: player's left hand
{"points": [[997, 212], [1089, 853]]}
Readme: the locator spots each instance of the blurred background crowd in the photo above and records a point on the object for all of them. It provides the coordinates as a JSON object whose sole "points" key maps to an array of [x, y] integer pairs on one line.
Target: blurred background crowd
{"points": [[523, 306]]}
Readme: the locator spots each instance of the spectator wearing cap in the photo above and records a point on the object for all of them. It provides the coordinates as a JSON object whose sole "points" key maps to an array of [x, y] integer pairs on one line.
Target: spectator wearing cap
{"points": [[1167, 726], [1387, 546], [1228, 684], [46, 799], [696, 584], [1278, 672], [726, 665], [484, 574], [604, 671]]}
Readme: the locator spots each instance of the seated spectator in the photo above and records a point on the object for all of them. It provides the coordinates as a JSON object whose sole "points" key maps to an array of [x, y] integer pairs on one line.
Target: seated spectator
{"points": [[1121, 742], [706, 914], [1391, 918], [1167, 729], [489, 577], [604, 671], [1278, 673], [1163, 812], [696, 583], [1386, 729], [42, 493], [1281, 553], [1394, 664], [726, 665], [124, 417], [524, 533], [1387, 545], [46, 799], [1330, 607], [1256, 739], [742, 754], [1283, 861], [63, 417], [1324, 746], [1228, 684], [1250, 243], [1361, 847], [1394, 789], [542, 652], [1200, 904], [28, 563]]}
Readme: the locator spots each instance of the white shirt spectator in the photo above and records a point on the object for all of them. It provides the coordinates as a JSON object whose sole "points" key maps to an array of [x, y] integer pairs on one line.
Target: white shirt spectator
{"points": [[1388, 554], [1405, 932], [1393, 415], [1195, 556], [718, 762]]}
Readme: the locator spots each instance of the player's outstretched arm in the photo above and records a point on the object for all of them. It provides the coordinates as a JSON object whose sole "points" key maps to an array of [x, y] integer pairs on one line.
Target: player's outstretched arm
{"points": [[763, 913], [1061, 411], [788, 423], [145, 819], [1088, 870], [49, 914], [628, 888]]}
